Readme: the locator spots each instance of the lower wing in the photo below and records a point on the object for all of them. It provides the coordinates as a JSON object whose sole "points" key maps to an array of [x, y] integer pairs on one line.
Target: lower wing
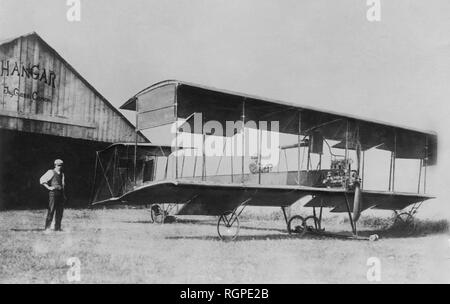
{"points": [[208, 198]]}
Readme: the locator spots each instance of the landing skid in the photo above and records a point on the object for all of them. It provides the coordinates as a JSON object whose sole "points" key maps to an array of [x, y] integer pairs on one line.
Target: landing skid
{"points": [[323, 233]]}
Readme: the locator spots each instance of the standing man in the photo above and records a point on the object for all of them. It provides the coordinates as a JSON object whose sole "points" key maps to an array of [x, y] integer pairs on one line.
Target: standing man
{"points": [[53, 180]]}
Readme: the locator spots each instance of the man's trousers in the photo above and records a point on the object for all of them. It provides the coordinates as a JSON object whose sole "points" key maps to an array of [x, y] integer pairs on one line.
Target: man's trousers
{"points": [[55, 205]]}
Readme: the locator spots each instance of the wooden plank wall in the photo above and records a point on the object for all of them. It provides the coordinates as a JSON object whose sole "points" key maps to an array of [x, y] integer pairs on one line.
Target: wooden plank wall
{"points": [[57, 103]]}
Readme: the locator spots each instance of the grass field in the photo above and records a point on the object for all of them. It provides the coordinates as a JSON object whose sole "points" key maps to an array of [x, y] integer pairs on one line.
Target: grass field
{"points": [[121, 246]]}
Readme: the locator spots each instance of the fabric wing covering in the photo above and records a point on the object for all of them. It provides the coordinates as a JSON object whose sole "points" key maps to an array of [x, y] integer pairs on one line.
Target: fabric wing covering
{"points": [[204, 198], [165, 102]]}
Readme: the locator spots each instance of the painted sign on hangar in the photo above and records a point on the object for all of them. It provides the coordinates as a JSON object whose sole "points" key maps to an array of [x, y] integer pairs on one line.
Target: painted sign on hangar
{"points": [[40, 92]]}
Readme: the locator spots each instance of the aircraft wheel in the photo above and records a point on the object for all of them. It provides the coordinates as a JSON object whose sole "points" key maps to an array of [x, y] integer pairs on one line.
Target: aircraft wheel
{"points": [[311, 223], [404, 221], [157, 214], [295, 225], [228, 226]]}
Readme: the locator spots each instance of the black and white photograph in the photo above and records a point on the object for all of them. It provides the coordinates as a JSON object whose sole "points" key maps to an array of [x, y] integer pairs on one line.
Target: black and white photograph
{"points": [[224, 142]]}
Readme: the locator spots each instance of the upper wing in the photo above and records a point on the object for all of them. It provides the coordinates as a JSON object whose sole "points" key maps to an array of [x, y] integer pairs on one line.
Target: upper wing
{"points": [[168, 101]]}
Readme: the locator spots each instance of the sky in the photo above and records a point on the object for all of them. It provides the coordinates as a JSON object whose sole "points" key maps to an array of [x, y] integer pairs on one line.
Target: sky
{"points": [[320, 53]]}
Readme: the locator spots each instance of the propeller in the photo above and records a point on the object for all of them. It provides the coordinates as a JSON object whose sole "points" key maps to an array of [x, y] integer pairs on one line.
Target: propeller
{"points": [[357, 200]]}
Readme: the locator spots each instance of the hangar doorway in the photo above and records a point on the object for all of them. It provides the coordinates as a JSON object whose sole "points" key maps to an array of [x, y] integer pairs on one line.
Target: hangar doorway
{"points": [[24, 157]]}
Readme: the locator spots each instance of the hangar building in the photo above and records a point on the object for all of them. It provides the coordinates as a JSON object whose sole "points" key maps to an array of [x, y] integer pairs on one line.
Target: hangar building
{"points": [[48, 111]]}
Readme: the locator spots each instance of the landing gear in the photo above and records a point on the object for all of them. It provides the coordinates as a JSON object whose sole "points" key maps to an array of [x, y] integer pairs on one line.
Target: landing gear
{"points": [[404, 221], [157, 214], [311, 223], [160, 213], [295, 224], [299, 225], [228, 224]]}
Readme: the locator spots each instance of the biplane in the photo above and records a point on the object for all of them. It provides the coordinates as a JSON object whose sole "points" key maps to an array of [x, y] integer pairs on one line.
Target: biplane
{"points": [[150, 174]]}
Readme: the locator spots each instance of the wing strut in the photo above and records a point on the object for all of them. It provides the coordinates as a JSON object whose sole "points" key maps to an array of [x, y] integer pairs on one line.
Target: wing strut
{"points": [[285, 216], [243, 140]]}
